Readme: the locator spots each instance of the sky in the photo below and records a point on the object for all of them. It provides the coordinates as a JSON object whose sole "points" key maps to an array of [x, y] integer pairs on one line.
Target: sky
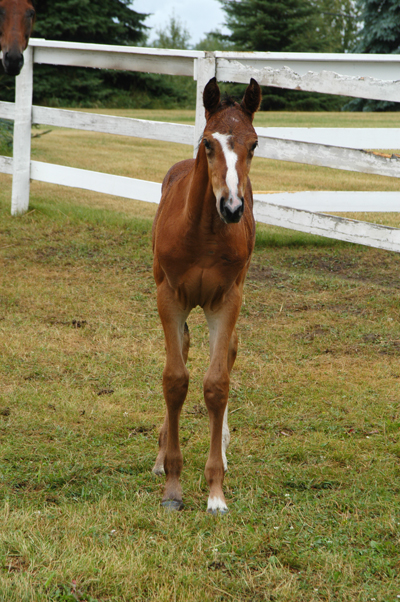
{"points": [[198, 16]]}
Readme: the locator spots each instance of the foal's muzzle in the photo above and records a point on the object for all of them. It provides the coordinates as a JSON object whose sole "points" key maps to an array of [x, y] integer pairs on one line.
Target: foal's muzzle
{"points": [[13, 62], [231, 213]]}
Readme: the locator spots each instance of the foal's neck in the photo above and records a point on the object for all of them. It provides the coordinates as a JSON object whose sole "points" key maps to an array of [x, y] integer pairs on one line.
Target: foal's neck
{"points": [[200, 201]]}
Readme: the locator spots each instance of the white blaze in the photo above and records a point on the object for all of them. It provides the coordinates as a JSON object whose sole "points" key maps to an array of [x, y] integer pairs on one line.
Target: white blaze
{"points": [[232, 178]]}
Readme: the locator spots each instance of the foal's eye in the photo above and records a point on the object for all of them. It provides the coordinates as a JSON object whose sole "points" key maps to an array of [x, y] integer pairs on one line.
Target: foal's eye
{"points": [[254, 146], [206, 144], [30, 13]]}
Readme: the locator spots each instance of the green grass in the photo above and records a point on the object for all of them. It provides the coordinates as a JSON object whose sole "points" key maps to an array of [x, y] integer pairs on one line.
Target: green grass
{"points": [[313, 485], [314, 461]]}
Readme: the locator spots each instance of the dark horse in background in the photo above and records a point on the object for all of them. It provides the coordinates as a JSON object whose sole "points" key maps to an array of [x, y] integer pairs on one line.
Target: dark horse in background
{"points": [[16, 23]]}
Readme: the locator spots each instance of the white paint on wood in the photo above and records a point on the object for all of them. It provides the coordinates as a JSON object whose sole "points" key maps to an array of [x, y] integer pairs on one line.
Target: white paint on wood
{"points": [[363, 233], [378, 66], [123, 61], [327, 82], [335, 202], [22, 137], [129, 188], [356, 138], [7, 110], [122, 126], [6, 165], [328, 156]]}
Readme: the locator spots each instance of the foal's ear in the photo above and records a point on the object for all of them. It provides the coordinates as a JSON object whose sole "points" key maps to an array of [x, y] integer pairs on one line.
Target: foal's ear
{"points": [[252, 98], [211, 97]]}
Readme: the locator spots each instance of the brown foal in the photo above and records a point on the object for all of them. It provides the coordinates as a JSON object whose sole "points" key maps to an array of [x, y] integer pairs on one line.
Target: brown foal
{"points": [[203, 238], [16, 22]]}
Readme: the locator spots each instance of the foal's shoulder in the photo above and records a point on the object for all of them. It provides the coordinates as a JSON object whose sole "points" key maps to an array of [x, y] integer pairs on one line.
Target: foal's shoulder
{"points": [[177, 172]]}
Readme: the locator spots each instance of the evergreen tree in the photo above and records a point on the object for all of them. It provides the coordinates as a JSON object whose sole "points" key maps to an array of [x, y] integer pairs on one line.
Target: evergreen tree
{"points": [[214, 40], [100, 22], [270, 25], [380, 35], [381, 30], [337, 24], [174, 35], [291, 26]]}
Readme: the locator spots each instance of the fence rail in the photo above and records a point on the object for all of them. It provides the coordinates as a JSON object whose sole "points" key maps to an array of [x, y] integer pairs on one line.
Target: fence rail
{"points": [[373, 76]]}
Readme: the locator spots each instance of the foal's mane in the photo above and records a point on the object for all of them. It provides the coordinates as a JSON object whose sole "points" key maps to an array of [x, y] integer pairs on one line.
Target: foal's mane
{"points": [[228, 100]]}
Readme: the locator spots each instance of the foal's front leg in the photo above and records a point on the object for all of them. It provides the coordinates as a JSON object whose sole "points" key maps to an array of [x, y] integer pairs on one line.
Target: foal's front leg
{"points": [[223, 347], [175, 386], [158, 468]]}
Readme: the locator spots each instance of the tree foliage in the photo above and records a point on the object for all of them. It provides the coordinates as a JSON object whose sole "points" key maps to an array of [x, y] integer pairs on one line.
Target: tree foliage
{"points": [[269, 25], [336, 24], [174, 35], [381, 27], [100, 22], [182, 89], [380, 34], [291, 26]]}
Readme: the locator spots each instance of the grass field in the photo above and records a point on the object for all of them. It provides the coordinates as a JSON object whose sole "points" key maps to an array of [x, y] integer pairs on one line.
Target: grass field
{"points": [[314, 461]]}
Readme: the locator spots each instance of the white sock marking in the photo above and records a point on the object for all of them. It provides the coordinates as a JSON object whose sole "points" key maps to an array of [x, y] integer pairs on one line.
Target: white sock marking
{"points": [[232, 178], [215, 503], [226, 437]]}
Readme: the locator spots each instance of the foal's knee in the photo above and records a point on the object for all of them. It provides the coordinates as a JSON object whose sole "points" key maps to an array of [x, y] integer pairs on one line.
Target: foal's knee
{"points": [[216, 387], [175, 383]]}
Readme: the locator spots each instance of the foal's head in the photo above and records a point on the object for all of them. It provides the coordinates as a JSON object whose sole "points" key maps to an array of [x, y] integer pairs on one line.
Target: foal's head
{"points": [[230, 140], [16, 22]]}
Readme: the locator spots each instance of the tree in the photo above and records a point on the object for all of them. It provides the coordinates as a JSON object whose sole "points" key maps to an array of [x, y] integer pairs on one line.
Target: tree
{"points": [[174, 35], [291, 26], [381, 27], [214, 40], [182, 89], [337, 24], [269, 25], [380, 34], [100, 22]]}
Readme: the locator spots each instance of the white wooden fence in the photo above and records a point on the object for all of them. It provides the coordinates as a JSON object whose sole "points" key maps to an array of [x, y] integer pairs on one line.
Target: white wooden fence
{"points": [[365, 76]]}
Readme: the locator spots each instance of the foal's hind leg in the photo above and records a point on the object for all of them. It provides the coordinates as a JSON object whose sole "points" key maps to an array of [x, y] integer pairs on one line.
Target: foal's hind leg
{"points": [[158, 468], [226, 437]]}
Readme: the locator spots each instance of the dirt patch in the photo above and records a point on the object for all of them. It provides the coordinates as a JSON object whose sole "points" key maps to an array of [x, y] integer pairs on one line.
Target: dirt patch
{"points": [[260, 273], [105, 392], [370, 266], [197, 410], [16, 564], [310, 335], [141, 429]]}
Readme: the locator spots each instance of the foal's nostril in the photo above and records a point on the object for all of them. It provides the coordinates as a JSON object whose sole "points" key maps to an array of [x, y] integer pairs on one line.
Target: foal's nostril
{"points": [[231, 215]]}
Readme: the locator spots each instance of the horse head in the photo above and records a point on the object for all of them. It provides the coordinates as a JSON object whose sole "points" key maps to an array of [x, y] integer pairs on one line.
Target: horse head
{"points": [[16, 22], [229, 141]]}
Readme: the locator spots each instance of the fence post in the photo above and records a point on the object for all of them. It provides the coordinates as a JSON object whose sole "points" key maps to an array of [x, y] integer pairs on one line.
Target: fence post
{"points": [[206, 69], [22, 136]]}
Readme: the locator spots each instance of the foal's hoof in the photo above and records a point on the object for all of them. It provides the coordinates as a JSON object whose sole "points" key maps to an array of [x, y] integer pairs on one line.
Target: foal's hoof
{"points": [[172, 505], [217, 511]]}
